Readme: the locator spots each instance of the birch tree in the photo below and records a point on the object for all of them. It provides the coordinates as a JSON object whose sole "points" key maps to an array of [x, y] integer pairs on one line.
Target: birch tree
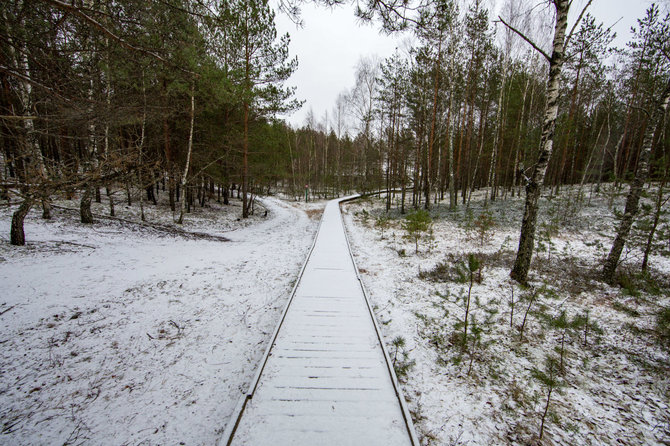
{"points": [[660, 43], [536, 181]]}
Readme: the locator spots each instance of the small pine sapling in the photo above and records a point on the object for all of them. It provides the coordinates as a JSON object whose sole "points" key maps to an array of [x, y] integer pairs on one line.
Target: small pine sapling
{"points": [[586, 326], [364, 216], [415, 225], [401, 366], [382, 223], [663, 327], [483, 225], [563, 324], [469, 220], [512, 302], [477, 344], [398, 342], [430, 238], [531, 297], [475, 341], [549, 378], [473, 266], [463, 273], [546, 232]]}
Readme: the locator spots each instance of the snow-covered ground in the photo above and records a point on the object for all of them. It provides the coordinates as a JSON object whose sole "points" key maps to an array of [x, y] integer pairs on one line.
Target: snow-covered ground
{"points": [[615, 386], [117, 333], [121, 333]]}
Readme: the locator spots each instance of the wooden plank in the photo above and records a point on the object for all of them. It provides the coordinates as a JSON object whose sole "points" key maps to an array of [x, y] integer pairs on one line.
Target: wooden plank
{"points": [[326, 379]]}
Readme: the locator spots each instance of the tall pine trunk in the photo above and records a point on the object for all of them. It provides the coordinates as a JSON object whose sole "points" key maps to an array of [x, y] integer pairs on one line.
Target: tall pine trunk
{"points": [[431, 139]]}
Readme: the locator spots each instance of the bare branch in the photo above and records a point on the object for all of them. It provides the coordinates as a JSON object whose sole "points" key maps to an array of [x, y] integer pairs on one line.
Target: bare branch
{"points": [[33, 82], [394, 10], [18, 118], [579, 19], [520, 34], [666, 53]]}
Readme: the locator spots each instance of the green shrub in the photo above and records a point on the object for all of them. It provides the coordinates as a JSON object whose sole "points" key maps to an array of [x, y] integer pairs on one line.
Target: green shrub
{"points": [[382, 222]]}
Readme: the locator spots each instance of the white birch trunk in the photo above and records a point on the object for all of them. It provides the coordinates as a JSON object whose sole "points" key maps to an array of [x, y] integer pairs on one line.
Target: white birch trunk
{"points": [[633, 200], [527, 237], [184, 177]]}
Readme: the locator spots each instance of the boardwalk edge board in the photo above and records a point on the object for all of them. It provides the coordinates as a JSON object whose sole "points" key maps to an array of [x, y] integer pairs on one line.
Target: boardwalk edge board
{"points": [[394, 379], [228, 434], [236, 417]]}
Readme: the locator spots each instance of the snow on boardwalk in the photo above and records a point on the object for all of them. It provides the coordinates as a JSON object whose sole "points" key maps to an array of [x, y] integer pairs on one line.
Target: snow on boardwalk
{"points": [[326, 379]]}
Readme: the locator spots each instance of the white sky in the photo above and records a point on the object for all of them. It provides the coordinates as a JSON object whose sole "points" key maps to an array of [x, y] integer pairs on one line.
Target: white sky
{"points": [[332, 41]]}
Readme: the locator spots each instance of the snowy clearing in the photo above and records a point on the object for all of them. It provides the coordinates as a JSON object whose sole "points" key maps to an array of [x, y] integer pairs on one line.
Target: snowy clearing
{"points": [[614, 386], [116, 333]]}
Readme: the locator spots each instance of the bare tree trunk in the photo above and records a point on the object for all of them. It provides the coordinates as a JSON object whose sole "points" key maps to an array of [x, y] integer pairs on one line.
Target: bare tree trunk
{"points": [[431, 139], [108, 100], [602, 158], [633, 200], [17, 236], [494, 153], [483, 114], [534, 187], [588, 163], [617, 152], [85, 206], [184, 177], [657, 217], [245, 164], [4, 190], [140, 150], [453, 202], [46, 209]]}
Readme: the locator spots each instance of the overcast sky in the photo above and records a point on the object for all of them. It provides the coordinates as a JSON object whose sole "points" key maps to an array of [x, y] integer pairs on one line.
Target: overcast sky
{"points": [[332, 41]]}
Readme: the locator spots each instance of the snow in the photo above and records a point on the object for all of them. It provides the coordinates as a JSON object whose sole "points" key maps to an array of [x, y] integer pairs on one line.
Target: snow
{"points": [[326, 380], [118, 333], [616, 388]]}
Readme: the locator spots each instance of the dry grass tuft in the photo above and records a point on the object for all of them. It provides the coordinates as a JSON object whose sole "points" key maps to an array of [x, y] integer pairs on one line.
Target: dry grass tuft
{"points": [[314, 214]]}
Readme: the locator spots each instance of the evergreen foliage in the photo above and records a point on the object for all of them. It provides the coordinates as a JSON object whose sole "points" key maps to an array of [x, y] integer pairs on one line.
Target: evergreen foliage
{"points": [[416, 226]]}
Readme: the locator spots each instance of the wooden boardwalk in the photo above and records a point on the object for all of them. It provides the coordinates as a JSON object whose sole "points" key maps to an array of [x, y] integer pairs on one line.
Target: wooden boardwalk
{"points": [[326, 378]]}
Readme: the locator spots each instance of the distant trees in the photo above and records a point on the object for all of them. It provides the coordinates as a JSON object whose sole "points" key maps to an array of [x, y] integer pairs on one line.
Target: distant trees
{"points": [[657, 37], [460, 112]]}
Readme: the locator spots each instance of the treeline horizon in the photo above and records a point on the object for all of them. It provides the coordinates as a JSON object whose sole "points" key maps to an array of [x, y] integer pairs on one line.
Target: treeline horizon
{"points": [[464, 113], [100, 98]]}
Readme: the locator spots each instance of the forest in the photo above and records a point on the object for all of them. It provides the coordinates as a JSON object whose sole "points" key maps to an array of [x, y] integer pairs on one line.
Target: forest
{"points": [[106, 99], [512, 227]]}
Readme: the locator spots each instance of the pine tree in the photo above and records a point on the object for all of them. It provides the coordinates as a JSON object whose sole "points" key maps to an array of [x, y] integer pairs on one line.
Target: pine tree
{"points": [[260, 64]]}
